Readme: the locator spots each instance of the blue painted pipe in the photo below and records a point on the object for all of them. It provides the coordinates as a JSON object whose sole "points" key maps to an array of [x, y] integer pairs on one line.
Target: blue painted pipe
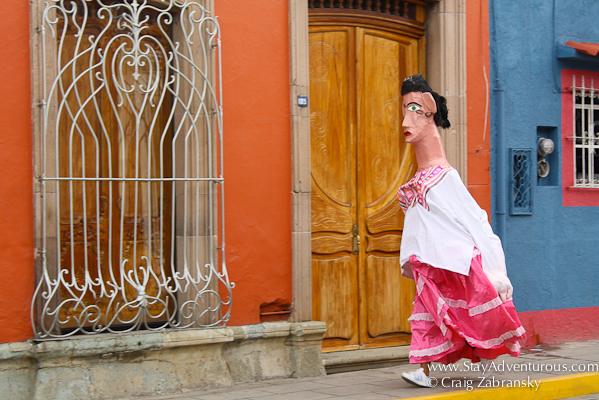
{"points": [[501, 170]]}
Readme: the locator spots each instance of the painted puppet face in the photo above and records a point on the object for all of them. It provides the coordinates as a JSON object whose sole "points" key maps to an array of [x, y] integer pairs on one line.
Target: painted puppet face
{"points": [[418, 110]]}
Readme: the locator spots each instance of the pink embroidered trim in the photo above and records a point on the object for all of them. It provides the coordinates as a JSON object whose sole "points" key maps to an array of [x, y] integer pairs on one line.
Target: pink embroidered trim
{"points": [[496, 302], [416, 189], [443, 327], [487, 344], [454, 303], [421, 317], [515, 347], [419, 285], [432, 351], [440, 303]]}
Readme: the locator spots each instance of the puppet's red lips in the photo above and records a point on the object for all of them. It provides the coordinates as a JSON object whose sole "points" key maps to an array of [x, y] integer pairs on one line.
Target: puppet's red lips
{"points": [[407, 133]]}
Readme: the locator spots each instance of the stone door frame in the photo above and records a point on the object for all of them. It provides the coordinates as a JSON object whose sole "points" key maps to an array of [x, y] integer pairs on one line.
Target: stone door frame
{"points": [[446, 72]]}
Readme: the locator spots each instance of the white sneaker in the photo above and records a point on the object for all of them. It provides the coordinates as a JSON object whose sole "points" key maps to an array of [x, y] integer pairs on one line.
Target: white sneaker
{"points": [[417, 377]]}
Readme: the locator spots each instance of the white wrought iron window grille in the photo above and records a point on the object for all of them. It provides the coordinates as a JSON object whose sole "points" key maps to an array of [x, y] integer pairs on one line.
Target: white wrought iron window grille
{"points": [[586, 133], [129, 168]]}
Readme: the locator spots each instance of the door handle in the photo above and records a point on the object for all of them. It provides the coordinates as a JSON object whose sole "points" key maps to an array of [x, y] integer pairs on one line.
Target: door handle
{"points": [[356, 239]]}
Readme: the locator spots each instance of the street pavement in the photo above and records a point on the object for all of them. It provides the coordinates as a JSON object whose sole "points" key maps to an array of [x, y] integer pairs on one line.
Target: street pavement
{"points": [[569, 370]]}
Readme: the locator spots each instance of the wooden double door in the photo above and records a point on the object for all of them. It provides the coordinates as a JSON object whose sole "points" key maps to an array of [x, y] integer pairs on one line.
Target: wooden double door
{"points": [[359, 159]]}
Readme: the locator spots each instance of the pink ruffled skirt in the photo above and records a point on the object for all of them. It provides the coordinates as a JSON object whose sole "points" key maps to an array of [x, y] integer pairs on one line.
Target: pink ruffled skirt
{"points": [[457, 316]]}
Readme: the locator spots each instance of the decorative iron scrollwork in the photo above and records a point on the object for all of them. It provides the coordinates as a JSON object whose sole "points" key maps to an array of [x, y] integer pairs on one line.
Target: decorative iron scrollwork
{"points": [[131, 185]]}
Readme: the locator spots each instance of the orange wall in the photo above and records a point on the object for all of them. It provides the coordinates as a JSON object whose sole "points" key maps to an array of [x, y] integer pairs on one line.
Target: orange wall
{"points": [[257, 161], [478, 94], [257, 140], [16, 200]]}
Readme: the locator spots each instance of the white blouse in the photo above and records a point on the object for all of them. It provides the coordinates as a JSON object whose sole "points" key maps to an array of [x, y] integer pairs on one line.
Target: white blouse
{"points": [[443, 224]]}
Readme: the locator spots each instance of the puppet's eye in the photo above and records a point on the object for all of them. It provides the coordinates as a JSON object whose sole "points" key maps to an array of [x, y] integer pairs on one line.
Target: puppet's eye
{"points": [[413, 107]]}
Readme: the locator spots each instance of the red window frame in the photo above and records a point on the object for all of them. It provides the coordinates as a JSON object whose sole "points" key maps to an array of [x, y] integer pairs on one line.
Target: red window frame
{"points": [[573, 196]]}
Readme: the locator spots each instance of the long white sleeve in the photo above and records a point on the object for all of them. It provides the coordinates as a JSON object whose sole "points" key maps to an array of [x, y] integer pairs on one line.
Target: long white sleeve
{"points": [[475, 221], [444, 233]]}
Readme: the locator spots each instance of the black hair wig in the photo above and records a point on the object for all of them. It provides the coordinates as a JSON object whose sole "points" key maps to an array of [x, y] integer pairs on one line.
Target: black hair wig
{"points": [[416, 83]]}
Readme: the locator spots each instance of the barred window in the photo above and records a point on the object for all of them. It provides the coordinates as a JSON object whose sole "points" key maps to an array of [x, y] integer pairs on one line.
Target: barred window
{"points": [[129, 183], [521, 182], [586, 131]]}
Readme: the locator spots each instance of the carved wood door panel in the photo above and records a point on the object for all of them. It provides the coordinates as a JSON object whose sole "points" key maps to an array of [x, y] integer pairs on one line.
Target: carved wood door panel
{"points": [[359, 160]]}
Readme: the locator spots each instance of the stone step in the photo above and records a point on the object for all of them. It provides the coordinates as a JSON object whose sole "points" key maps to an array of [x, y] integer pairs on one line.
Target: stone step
{"points": [[355, 360]]}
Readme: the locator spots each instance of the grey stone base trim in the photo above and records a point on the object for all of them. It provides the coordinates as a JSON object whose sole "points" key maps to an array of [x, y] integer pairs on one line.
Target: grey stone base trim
{"points": [[154, 363], [354, 360]]}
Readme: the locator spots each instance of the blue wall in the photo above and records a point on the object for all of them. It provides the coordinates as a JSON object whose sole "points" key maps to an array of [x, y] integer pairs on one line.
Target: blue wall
{"points": [[553, 254]]}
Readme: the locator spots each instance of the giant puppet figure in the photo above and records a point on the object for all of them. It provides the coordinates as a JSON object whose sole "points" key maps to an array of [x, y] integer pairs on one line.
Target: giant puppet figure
{"points": [[463, 306]]}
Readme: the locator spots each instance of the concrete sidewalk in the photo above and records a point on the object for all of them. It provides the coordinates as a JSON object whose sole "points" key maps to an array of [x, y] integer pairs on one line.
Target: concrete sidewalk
{"points": [[569, 370]]}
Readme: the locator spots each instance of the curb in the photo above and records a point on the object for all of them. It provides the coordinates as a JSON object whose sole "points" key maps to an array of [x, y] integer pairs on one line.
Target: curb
{"points": [[549, 389]]}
